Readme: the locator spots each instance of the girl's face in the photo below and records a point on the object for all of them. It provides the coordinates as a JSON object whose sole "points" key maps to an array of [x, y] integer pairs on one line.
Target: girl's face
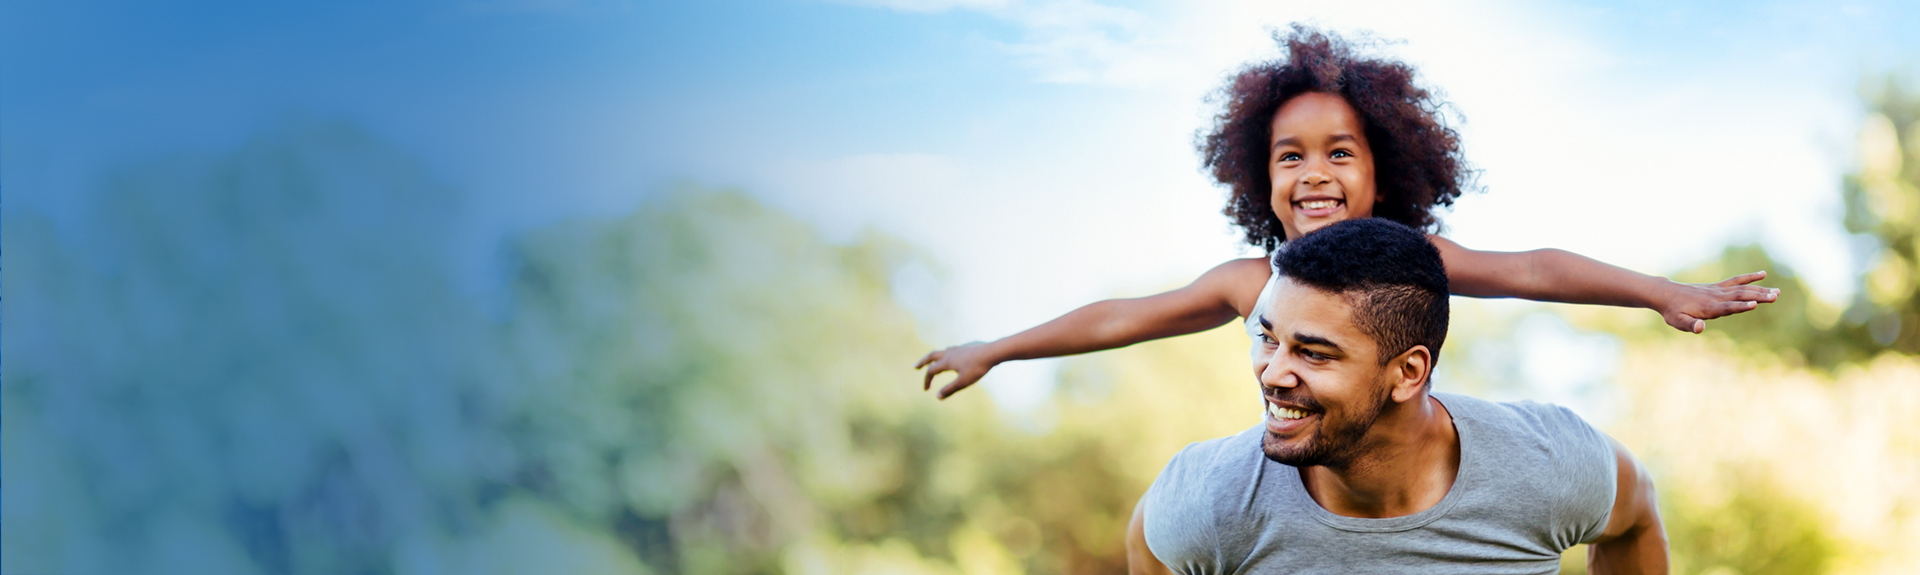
{"points": [[1321, 165]]}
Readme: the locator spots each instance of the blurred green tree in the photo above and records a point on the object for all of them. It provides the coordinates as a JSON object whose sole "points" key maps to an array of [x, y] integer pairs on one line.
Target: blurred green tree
{"points": [[257, 362], [1882, 198]]}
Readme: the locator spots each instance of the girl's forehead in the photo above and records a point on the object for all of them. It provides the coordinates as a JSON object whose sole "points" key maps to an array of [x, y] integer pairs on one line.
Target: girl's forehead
{"points": [[1315, 113]]}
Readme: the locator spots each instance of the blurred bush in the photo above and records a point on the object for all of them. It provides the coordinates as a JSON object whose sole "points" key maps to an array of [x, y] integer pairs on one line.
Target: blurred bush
{"points": [[258, 362], [1783, 441]]}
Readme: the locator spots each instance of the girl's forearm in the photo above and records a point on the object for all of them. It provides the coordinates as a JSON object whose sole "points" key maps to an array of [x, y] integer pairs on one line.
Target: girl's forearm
{"points": [[1566, 277], [1108, 324], [1217, 297], [1560, 276], [1082, 330]]}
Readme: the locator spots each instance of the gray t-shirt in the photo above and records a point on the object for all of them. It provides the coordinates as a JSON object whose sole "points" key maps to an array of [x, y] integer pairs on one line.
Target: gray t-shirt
{"points": [[1534, 480]]}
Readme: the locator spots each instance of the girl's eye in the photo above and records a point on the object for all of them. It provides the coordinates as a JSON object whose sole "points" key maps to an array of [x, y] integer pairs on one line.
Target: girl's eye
{"points": [[1290, 157], [1342, 154]]}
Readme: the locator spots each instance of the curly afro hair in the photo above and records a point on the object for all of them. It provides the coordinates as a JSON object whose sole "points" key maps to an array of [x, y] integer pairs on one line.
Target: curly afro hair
{"points": [[1418, 164]]}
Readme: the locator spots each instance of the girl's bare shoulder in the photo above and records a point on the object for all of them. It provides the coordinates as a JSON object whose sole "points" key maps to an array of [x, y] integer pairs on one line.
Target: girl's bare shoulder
{"points": [[1247, 267], [1238, 281]]}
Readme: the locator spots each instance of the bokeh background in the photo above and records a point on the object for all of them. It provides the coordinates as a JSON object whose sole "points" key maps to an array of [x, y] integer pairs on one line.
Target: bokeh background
{"points": [[608, 286]]}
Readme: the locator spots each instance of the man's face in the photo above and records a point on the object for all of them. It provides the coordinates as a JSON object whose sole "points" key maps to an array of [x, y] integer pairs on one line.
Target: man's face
{"points": [[1320, 376], [1320, 164]]}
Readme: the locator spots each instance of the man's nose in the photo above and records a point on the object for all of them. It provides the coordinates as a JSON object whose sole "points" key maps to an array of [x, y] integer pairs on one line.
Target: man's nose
{"points": [[1274, 372]]}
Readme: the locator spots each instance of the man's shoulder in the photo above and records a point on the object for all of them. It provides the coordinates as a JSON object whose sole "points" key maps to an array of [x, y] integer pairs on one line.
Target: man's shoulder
{"points": [[1195, 474], [1195, 493], [1219, 451], [1544, 419], [1568, 462]]}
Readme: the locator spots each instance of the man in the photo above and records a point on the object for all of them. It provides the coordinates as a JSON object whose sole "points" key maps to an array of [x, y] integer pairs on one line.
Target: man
{"points": [[1358, 468]]}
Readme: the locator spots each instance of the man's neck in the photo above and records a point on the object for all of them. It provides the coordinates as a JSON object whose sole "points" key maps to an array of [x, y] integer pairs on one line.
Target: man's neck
{"points": [[1406, 464]]}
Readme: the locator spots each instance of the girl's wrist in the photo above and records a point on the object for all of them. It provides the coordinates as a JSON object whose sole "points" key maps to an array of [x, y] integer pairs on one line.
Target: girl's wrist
{"points": [[1664, 291], [995, 352]]}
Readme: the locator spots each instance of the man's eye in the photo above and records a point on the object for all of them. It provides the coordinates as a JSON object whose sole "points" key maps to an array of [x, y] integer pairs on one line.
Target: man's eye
{"points": [[1267, 339], [1314, 355]]}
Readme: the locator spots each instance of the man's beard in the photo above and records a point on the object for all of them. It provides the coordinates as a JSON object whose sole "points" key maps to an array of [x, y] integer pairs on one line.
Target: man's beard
{"points": [[1334, 443]]}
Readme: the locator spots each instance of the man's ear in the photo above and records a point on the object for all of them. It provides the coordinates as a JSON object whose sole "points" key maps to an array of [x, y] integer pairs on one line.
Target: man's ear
{"points": [[1409, 372]]}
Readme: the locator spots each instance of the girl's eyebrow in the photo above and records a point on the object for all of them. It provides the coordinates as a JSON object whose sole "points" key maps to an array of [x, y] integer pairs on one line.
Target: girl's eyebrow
{"points": [[1295, 141]]}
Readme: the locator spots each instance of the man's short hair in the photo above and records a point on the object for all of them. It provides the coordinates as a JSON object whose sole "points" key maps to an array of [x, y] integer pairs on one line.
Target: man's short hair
{"points": [[1390, 273]]}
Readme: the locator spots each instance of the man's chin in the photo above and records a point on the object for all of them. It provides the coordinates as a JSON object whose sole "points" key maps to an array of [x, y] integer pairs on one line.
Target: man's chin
{"points": [[1297, 452]]}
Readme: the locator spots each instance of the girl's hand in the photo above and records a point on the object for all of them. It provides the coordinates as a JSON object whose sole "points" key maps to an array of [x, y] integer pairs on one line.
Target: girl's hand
{"points": [[969, 360], [1688, 306]]}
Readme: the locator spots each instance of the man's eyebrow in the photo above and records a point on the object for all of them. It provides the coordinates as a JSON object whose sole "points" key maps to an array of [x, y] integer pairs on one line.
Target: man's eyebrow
{"points": [[1305, 339], [1264, 324]]}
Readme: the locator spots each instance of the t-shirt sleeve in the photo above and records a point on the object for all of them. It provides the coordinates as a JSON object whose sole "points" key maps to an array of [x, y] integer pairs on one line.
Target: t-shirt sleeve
{"points": [[1584, 471], [1179, 519]]}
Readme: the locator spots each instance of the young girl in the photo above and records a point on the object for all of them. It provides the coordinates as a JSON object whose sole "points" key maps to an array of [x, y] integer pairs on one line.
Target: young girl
{"points": [[1321, 137]]}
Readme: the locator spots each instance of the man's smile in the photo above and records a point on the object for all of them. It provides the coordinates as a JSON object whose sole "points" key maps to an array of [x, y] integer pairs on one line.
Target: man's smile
{"points": [[1287, 419]]}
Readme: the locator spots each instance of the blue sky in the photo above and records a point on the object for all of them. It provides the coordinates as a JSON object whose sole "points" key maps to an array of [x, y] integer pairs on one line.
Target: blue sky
{"points": [[1041, 150]]}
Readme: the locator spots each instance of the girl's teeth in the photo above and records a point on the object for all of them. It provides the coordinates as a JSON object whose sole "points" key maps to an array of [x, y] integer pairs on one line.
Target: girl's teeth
{"points": [[1318, 204]]}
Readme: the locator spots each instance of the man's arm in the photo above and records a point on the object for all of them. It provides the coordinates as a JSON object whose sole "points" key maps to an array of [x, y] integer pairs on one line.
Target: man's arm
{"points": [[1634, 540], [1566, 277], [1140, 559]]}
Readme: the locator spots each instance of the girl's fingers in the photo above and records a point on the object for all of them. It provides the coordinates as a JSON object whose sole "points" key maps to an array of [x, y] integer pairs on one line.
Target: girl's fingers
{"points": [[957, 385], [1727, 308], [932, 370], [1755, 293], [1686, 323], [1743, 279]]}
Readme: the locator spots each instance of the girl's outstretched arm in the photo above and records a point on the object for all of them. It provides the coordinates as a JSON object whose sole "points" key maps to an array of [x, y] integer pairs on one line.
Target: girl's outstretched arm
{"points": [[1567, 277], [1220, 295]]}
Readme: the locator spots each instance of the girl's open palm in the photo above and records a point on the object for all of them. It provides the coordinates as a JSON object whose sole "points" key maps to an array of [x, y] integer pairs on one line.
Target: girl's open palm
{"points": [[1688, 306]]}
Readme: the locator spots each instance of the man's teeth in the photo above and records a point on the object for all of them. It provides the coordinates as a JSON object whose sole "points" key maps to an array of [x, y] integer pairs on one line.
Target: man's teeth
{"points": [[1319, 204], [1284, 413]]}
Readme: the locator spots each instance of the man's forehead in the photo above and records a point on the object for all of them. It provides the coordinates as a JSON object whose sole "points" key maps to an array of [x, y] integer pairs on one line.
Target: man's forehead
{"points": [[1306, 309]]}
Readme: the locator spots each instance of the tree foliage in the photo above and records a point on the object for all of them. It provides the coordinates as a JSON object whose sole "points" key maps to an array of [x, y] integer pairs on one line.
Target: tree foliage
{"points": [[260, 362], [1882, 199]]}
